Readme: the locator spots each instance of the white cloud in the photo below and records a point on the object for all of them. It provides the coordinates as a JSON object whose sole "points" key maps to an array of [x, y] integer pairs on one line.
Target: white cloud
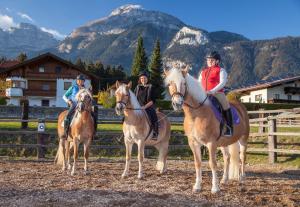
{"points": [[55, 33], [6, 22], [25, 16], [7, 9]]}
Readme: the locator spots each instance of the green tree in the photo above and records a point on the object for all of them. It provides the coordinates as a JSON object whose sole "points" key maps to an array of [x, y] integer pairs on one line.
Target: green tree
{"points": [[81, 64], [155, 68], [22, 57], [139, 61]]}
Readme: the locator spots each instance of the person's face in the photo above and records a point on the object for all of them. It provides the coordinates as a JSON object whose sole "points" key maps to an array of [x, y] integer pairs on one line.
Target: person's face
{"points": [[80, 82], [211, 62], [144, 80]]}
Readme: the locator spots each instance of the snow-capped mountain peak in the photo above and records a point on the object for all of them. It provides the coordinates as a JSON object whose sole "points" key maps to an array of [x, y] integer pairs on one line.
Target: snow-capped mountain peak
{"points": [[188, 36], [125, 9]]}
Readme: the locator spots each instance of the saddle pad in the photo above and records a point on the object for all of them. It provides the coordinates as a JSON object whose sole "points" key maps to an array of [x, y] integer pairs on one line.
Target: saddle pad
{"points": [[215, 106]]}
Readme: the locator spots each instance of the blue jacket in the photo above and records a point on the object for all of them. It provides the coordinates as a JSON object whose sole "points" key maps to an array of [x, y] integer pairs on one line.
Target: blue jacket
{"points": [[71, 93]]}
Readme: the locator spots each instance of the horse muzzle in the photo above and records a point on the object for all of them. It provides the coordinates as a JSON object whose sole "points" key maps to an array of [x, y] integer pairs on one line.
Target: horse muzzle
{"points": [[119, 109], [177, 102]]}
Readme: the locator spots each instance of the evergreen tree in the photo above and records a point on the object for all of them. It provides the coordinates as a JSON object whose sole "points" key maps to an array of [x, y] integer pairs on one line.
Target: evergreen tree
{"points": [[155, 69], [139, 61], [22, 57], [79, 63]]}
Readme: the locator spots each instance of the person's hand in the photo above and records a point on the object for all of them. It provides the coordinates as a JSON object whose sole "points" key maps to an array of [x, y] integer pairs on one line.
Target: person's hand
{"points": [[143, 107], [70, 103], [210, 93]]}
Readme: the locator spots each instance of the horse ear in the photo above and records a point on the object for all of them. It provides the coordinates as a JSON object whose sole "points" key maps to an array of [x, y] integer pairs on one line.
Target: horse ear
{"points": [[129, 85], [166, 72], [117, 84]]}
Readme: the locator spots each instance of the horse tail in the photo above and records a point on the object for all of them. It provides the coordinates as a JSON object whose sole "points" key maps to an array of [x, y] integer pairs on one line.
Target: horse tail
{"points": [[60, 154], [234, 164]]}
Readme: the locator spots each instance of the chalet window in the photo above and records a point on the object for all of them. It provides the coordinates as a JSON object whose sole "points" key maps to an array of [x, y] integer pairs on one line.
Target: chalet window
{"points": [[258, 98], [45, 87], [289, 97], [67, 85], [45, 103], [41, 69], [249, 100], [58, 69], [277, 96]]}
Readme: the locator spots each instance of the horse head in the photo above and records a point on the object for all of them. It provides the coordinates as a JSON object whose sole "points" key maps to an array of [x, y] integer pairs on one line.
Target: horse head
{"points": [[176, 83], [122, 97], [84, 99]]}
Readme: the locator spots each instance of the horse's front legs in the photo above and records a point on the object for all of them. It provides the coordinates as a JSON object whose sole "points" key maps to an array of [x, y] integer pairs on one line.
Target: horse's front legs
{"points": [[196, 149], [75, 146], [141, 146], [212, 148], [128, 146]]}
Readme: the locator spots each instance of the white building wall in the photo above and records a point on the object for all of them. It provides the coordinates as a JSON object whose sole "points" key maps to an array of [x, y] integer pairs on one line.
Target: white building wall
{"points": [[13, 101], [37, 101]]}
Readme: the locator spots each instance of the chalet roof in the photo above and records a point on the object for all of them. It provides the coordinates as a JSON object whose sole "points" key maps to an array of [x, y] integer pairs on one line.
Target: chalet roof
{"points": [[45, 55], [8, 64], [268, 84]]}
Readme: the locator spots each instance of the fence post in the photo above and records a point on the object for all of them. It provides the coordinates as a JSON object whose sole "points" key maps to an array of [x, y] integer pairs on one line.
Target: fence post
{"points": [[261, 128], [25, 111], [41, 139], [272, 141]]}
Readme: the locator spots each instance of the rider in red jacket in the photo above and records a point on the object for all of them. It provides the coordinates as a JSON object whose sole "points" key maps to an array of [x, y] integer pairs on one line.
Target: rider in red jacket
{"points": [[213, 79]]}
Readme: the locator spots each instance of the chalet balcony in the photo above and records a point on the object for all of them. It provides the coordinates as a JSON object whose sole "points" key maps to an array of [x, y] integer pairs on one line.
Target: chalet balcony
{"points": [[14, 92], [39, 93], [283, 101], [292, 90]]}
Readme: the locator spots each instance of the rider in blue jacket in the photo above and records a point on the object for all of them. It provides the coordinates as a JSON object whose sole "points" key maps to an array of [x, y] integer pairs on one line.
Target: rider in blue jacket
{"points": [[69, 98]]}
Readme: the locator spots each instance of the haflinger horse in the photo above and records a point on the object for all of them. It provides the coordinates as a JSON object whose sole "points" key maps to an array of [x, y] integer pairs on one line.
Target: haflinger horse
{"points": [[81, 130], [136, 129], [203, 128]]}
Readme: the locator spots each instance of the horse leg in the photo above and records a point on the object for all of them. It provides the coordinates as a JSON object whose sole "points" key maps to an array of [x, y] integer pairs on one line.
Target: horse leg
{"points": [[128, 146], [141, 146], [86, 154], [75, 146], [226, 158], [68, 148], [161, 165], [243, 148], [212, 148], [62, 154], [195, 147]]}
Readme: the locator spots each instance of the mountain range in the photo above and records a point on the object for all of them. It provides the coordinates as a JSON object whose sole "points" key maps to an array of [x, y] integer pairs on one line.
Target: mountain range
{"points": [[113, 39]]}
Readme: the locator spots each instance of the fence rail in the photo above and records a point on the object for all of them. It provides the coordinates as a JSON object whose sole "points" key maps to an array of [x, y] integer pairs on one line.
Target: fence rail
{"points": [[267, 128]]}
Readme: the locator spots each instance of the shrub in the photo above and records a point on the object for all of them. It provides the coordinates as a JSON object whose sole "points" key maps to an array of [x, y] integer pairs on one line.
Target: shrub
{"points": [[163, 104], [106, 100], [2, 101]]}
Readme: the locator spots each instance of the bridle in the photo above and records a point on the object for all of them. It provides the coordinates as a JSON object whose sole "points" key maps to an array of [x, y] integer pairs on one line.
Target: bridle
{"points": [[126, 103], [183, 96], [81, 106]]}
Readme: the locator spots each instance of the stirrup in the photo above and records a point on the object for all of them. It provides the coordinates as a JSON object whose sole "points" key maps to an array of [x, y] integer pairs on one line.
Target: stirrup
{"points": [[228, 132]]}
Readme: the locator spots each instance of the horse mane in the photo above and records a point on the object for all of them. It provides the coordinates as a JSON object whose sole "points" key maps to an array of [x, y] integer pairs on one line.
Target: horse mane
{"points": [[133, 99], [194, 87]]}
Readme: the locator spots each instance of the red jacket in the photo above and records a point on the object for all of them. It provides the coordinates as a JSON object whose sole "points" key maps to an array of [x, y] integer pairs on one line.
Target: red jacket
{"points": [[211, 78]]}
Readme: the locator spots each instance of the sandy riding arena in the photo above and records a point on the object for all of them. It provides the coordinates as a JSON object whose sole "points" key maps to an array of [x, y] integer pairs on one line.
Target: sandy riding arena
{"points": [[32, 183]]}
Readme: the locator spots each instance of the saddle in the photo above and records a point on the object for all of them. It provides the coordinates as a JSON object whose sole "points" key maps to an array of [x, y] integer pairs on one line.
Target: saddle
{"points": [[218, 111]]}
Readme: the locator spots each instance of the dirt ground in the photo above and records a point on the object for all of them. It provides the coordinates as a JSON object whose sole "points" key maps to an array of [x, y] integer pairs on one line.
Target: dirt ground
{"points": [[32, 183]]}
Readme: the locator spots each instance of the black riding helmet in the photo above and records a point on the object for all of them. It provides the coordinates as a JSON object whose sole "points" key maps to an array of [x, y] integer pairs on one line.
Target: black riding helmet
{"points": [[80, 77], [214, 54], [143, 73]]}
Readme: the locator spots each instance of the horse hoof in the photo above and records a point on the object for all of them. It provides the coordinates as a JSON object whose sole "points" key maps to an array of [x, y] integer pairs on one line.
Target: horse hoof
{"points": [[215, 190], [72, 173], [124, 175], [196, 190], [86, 172], [140, 176]]}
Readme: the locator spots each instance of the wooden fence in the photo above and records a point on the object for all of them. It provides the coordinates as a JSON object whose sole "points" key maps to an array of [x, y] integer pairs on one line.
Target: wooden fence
{"points": [[267, 123]]}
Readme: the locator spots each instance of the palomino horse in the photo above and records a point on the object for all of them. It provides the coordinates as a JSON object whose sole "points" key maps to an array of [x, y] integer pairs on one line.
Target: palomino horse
{"points": [[136, 129], [81, 130], [202, 127]]}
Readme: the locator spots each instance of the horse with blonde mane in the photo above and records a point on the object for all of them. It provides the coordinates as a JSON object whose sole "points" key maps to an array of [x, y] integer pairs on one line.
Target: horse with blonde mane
{"points": [[81, 130], [203, 128], [136, 129]]}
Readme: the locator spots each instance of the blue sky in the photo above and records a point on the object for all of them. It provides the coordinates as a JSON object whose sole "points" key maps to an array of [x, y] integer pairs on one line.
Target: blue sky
{"points": [[255, 19]]}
